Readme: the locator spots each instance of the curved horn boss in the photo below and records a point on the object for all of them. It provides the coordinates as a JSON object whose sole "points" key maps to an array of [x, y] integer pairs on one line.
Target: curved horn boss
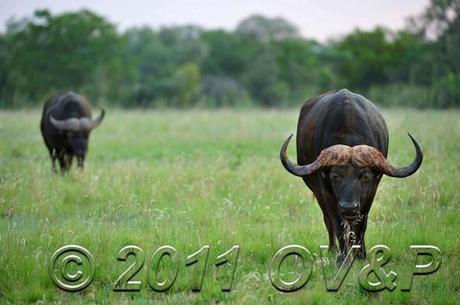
{"points": [[72, 124], [361, 155], [78, 124], [334, 155]]}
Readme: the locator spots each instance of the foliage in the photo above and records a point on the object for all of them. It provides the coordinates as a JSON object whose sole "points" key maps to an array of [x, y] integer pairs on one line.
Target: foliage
{"points": [[50, 53], [264, 62]]}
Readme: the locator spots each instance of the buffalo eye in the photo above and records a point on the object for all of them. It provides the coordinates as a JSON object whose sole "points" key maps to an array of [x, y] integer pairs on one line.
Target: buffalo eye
{"points": [[336, 176], [365, 176]]}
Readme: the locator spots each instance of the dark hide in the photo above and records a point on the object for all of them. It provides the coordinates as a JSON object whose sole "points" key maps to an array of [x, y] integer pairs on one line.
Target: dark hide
{"points": [[341, 117], [63, 145]]}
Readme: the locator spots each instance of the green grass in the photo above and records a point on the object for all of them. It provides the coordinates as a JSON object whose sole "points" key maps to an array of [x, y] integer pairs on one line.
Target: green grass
{"points": [[188, 179]]}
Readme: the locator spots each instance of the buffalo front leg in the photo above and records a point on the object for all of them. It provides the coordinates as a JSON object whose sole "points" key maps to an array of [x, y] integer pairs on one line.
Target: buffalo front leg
{"points": [[361, 228], [340, 232], [328, 221], [53, 156], [69, 159], [330, 230], [63, 162]]}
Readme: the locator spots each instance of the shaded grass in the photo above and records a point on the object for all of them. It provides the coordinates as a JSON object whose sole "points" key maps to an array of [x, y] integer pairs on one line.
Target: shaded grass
{"points": [[192, 178]]}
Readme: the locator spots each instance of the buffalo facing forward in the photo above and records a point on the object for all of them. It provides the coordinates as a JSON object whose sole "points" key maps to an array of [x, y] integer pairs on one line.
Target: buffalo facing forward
{"points": [[66, 125], [342, 144]]}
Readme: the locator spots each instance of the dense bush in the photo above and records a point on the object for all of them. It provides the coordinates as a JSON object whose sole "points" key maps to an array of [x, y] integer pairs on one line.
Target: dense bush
{"points": [[446, 92], [401, 95]]}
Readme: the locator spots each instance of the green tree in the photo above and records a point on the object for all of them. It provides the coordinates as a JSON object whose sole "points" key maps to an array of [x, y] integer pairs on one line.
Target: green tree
{"points": [[187, 83], [262, 80], [3, 66], [365, 57], [442, 20], [303, 68], [159, 64], [227, 53], [77, 50], [440, 25]]}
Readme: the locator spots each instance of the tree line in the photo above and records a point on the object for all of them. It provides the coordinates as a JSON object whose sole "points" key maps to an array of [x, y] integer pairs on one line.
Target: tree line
{"points": [[263, 62]]}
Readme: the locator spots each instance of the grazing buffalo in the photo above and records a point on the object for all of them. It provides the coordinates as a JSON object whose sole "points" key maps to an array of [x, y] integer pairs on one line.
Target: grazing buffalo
{"points": [[65, 125], [342, 144]]}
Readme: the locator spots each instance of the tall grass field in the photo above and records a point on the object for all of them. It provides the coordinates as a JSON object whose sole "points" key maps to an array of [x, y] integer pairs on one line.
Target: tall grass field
{"points": [[213, 177]]}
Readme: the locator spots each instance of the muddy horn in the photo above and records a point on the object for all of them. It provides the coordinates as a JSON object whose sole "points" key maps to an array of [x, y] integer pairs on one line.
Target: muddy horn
{"points": [[334, 155], [361, 155], [78, 124], [401, 172], [91, 124], [94, 123], [68, 124]]}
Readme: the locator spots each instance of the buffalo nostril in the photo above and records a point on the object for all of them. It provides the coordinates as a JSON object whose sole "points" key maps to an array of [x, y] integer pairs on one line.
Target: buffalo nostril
{"points": [[349, 208]]}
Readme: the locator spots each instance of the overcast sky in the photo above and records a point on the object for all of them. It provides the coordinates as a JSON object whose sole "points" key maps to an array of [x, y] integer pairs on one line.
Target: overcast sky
{"points": [[318, 19]]}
